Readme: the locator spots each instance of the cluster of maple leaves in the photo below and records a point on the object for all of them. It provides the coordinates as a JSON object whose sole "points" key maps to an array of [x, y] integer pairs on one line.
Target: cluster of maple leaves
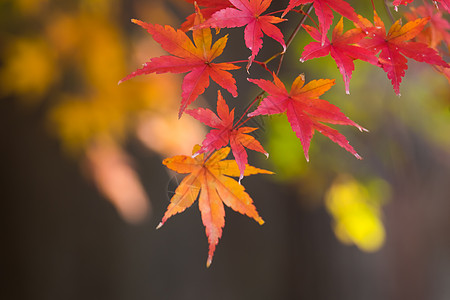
{"points": [[208, 171]]}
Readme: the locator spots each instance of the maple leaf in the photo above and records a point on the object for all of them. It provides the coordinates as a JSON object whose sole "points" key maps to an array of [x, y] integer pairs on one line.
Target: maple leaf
{"points": [[322, 8], [340, 49], [396, 44], [396, 3], [304, 110], [188, 57], [438, 29], [211, 6], [445, 3], [225, 133], [248, 13], [209, 178]]}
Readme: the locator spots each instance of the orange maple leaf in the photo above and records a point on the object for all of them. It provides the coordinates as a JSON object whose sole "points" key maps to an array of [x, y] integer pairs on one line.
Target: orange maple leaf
{"points": [[209, 178], [195, 58]]}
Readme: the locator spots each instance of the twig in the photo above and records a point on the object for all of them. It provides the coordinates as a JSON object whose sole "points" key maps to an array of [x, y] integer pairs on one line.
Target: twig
{"points": [[386, 7], [291, 38]]}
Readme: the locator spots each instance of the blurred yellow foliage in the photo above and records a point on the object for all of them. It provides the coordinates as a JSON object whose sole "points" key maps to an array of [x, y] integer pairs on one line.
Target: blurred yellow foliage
{"points": [[79, 120], [29, 70], [101, 52], [104, 108], [68, 56], [356, 210], [30, 7]]}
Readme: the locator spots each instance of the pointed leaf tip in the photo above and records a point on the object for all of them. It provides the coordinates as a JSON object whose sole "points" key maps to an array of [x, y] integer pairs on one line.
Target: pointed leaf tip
{"points": [[159, 225], [362, 129], [209, 261]]}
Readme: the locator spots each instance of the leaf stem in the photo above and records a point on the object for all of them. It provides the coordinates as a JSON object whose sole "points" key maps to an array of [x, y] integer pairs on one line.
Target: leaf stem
{"points": [[272, 57], [262, 64], [240, 61], [237, 125], [281, 54], [291, 38], [386, 7], [274, 12]]}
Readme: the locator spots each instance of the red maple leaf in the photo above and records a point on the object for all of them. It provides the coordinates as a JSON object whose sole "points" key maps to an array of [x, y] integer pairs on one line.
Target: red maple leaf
{"points": [[436, 31], [248, 13], [445, 3], [211, 6], [324, 13], [225, 133], [305, 111], [340, 48], [188, 57], [398, 2], [396, 44]]}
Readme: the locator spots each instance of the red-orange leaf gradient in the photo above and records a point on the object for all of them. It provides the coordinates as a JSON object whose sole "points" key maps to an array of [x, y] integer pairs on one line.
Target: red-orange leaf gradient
{"points": [[342, 49], [324, 13], [225, 133], [210, 7], [305, 111], [248, 13], [188, 57], [396, 44], [209, 178]]}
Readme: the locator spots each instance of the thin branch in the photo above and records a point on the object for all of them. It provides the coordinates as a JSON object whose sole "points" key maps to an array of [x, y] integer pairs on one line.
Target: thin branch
{"points": [[288, 43], [237, 125], [386, 7], [291, 38]]}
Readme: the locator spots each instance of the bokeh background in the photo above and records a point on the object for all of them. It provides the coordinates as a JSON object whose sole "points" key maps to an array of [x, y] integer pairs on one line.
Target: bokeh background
{"points": [[83, 187]]}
